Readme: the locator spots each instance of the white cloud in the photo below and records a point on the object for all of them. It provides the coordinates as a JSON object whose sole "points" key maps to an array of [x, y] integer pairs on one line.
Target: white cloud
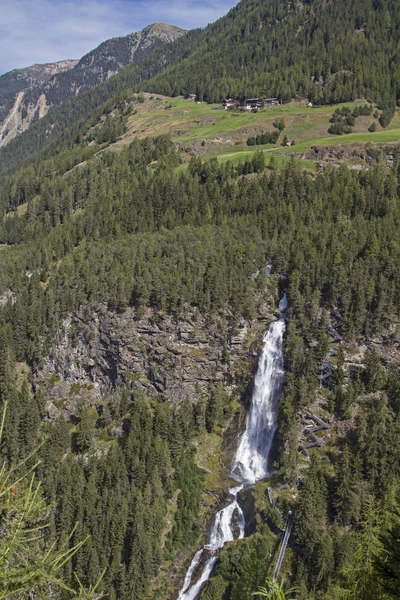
{"points": [[42, 31]]}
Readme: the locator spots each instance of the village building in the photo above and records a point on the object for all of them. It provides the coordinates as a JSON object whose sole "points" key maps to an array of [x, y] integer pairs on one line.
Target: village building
{"points": [[272, 101], [252, 103], [228, 103]]}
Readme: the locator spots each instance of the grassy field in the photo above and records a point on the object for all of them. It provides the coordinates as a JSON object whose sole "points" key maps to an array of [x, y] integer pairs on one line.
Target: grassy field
{"points": [[198, 130], [383, 136]]}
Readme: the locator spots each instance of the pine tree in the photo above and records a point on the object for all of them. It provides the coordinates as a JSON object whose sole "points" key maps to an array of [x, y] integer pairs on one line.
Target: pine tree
{"points": [[30, 565], [362, 582], [388, 563], [347, 501]]}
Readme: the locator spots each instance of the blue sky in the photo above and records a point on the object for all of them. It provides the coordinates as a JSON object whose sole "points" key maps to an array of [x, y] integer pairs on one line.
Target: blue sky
{"points": [[40, 31]]}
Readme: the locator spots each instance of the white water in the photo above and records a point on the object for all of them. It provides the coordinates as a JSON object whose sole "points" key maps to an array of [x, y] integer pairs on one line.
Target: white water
{"points": [[191, 569], [250, 463], [251, 459]]}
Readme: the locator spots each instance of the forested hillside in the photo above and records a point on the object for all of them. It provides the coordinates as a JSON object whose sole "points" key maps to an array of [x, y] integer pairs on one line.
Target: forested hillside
{"points": [[122, 270], [329, 52], [127, 231]]}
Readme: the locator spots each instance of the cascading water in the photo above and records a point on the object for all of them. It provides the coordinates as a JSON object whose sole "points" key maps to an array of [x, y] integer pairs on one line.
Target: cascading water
{"points": [[250, 463], [251, 459]]}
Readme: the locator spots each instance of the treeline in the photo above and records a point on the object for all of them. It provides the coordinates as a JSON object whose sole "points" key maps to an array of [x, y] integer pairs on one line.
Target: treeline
{"points": [[328, 52], [268, 137]]}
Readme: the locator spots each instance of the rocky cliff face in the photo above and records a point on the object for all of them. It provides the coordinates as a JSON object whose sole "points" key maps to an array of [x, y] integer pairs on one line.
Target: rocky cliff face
{"points": [[96, 351], [22, 79], [26, 95], [16, 113]]}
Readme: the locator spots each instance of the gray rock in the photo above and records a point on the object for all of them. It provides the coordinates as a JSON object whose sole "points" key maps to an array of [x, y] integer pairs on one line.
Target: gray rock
{"points": [[96, 351]]}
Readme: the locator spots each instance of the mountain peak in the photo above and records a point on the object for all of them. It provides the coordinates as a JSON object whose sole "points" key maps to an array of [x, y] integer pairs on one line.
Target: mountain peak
{"points": [[163, 28], [28, 94]]}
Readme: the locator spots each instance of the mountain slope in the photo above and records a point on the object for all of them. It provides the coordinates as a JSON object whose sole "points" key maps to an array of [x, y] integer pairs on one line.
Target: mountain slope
{"points": [[127, 232], [330, 51], [133, 297], [20, 79], [28, 94], [12, 90]]}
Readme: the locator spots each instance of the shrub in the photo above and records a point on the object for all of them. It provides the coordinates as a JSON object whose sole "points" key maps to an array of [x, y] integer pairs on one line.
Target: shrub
{"points": [[267, 137], [279, 124], [387, 115]]}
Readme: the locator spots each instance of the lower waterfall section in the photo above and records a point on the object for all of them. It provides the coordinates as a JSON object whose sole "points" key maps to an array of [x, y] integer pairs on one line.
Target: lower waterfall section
{"points": [[250, 463]]}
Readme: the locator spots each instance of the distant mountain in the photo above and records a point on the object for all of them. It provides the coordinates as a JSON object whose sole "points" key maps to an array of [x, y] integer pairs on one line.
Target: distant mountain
{"points": [[26, 95], [328, 51], [13, 86], [21, 79]]}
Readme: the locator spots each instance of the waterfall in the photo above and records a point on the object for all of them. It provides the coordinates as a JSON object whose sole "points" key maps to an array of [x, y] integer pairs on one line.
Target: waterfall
{"points": [[250, 463], [191, 569]]}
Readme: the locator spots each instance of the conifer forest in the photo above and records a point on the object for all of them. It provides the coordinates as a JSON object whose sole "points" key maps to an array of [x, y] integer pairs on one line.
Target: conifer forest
{"points": [[143, 281]]}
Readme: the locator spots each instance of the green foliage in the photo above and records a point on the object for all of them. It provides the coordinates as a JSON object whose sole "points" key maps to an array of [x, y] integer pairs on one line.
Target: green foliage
{"points": [[275, 591], [85, 429], [215, 408], [388, 111], [360, 574], [388, 562], [362, 110], [343, 119], [30, 563], [268, 137], [241, 568], [279, 124], [110, 130], [129, 487], [186, 526], [346, 498], [127, 230]]}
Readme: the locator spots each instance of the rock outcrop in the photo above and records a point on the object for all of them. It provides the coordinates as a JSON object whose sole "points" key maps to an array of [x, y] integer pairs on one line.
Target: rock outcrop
{"points": [[97, 351]]}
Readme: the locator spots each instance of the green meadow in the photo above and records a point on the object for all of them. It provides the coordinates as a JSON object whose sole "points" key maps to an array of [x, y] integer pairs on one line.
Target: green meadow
{"points": [[198, 130]]}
